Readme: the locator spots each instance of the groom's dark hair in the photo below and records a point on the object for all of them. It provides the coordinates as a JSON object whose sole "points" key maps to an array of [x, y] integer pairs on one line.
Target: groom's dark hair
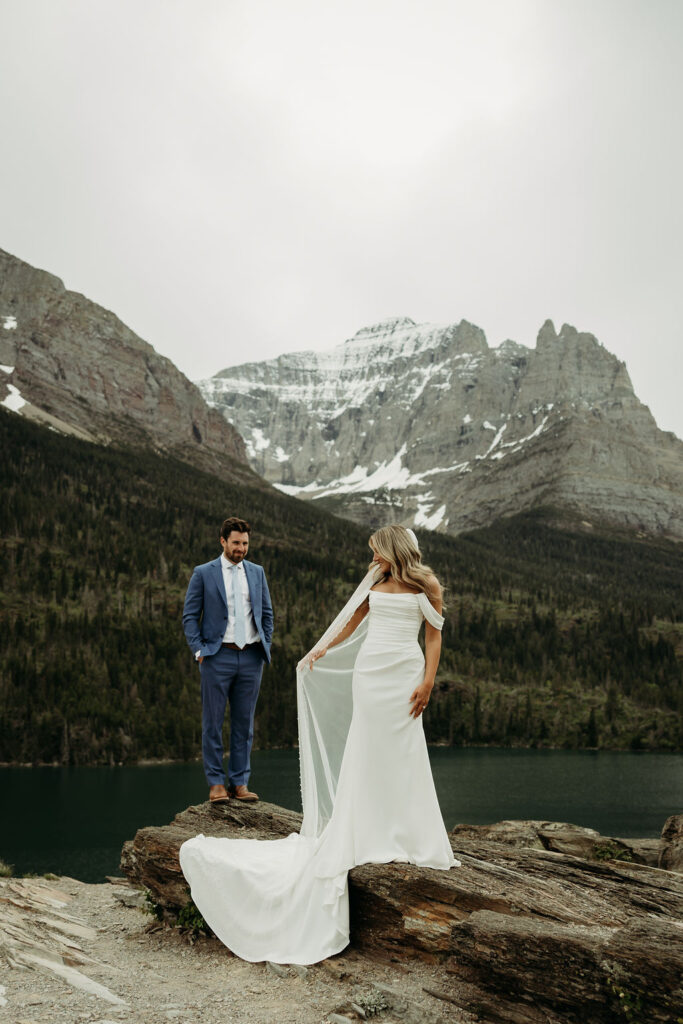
{"points": [[234, 523]]}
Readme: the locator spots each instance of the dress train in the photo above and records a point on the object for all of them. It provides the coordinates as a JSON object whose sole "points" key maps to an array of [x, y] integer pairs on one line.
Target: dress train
{"points": [[286, 900]]}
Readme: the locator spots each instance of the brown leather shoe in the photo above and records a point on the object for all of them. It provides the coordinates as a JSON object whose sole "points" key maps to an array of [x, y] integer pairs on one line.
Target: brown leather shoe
{"points": [[242, 793], [218, 795]]}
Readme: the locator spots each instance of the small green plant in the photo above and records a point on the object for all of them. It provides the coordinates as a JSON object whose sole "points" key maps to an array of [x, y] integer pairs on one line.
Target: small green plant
{"points": [[606, 851], [152, 907], [6, 870], [189, 919], [628, 1005]]}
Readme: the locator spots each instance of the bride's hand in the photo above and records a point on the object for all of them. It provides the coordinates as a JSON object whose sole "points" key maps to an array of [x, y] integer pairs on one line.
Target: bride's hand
{"points": [[419, 699], [308, 661]]}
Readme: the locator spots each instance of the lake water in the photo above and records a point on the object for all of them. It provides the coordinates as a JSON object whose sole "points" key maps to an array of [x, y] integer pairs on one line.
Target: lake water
{"points": [[74, 821]]}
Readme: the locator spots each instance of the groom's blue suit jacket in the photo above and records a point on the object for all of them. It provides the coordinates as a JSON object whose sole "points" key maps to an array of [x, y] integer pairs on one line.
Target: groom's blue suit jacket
{"points": [[205, 615]]}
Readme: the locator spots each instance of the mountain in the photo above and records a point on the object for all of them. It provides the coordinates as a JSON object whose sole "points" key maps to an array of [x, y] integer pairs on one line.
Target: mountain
{"points": [[429, 426], [74, 366], [553, 637]]}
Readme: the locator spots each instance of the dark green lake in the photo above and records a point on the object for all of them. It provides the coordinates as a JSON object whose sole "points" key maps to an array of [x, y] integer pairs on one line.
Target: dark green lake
{"points": [[74, 821]]}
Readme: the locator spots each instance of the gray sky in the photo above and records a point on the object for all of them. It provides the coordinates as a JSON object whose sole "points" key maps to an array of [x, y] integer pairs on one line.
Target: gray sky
{"points": [[241, 179]]}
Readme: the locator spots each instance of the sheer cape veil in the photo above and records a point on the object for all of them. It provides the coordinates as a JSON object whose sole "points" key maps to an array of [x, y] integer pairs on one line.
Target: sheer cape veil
{"points": [[368, 796], [325, 705]]}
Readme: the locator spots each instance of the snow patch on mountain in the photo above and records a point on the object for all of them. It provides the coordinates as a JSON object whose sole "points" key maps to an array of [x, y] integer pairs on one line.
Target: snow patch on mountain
{"points": [[257, 443], [515, 446], [14, 400], [495, 442], [422, 517], [392, 475]]}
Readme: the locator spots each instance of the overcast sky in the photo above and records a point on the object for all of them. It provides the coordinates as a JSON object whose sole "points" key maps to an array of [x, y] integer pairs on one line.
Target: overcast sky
{"points": [[241, 178]]}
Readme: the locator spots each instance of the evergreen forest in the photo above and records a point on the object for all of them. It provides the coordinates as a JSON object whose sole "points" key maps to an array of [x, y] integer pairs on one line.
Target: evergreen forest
{"points": [[557, 634]]}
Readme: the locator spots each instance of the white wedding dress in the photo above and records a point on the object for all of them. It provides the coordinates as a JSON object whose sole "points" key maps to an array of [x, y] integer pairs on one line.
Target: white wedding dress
{"points": [[368, 797]]}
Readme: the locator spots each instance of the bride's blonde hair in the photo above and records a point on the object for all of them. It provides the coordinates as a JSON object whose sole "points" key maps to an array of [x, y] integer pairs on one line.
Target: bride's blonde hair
{"points": [[396, 546]]}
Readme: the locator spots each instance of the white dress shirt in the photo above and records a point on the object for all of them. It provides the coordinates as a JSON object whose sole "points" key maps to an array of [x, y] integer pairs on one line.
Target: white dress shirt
{"points": [[242, 588], [250, 630]]}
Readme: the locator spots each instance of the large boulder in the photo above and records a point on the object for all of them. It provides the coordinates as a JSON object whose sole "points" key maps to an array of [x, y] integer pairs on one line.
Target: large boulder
{"points": [[521, 934]]}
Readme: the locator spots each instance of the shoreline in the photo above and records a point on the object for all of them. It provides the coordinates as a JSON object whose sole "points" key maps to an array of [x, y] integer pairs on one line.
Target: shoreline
{"points": [[52, 875], [151, 762]]}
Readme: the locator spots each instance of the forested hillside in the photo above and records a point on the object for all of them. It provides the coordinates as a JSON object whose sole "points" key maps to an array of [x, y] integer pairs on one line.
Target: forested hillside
{"points": [[554, 637]]}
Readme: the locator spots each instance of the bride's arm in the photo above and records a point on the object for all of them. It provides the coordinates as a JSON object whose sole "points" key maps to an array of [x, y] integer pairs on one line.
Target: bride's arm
{"points": [[419, 698], [350, 627]]}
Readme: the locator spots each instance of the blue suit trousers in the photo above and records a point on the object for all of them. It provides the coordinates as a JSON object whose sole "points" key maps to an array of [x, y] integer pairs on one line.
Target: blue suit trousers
{"points": [[235, 677]]}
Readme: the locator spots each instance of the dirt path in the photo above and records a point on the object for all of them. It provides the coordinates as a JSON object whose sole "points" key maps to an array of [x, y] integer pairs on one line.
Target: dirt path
{"points": [[75, 952]]}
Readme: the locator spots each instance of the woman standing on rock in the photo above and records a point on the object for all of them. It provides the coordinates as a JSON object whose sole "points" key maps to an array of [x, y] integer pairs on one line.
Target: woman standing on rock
{"points": [[367, 787]]}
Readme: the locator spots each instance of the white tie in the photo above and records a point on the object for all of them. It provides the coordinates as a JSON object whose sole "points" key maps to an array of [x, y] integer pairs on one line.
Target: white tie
{"points": [[240, 631]]}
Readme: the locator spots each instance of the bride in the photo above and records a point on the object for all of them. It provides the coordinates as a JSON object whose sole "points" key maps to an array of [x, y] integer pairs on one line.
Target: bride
{"points": [[366, 783]]}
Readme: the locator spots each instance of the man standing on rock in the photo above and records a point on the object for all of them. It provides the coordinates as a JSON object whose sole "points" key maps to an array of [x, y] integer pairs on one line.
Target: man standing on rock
{"points": [[228, 622]]}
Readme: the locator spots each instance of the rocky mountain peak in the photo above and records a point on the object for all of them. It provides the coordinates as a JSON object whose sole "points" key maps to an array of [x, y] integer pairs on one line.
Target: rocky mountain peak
{"points": [[427, 425], [384, 327], [69, 363], [509, 349], [580, 367], [546, 336]]}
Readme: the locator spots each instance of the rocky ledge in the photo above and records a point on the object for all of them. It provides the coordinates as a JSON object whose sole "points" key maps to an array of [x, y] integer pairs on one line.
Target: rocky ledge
{"points": [[78, 953], [543, 922]]}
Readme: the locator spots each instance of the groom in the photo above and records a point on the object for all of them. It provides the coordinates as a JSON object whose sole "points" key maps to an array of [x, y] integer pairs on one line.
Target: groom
{"points": [[228, 622]]}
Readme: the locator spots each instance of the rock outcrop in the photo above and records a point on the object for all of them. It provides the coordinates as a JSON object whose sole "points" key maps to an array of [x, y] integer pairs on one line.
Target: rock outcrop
{"points": [[429, 426], [73, 365], [671, 852], [38, 933], [526, 934], [561, 837]]}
